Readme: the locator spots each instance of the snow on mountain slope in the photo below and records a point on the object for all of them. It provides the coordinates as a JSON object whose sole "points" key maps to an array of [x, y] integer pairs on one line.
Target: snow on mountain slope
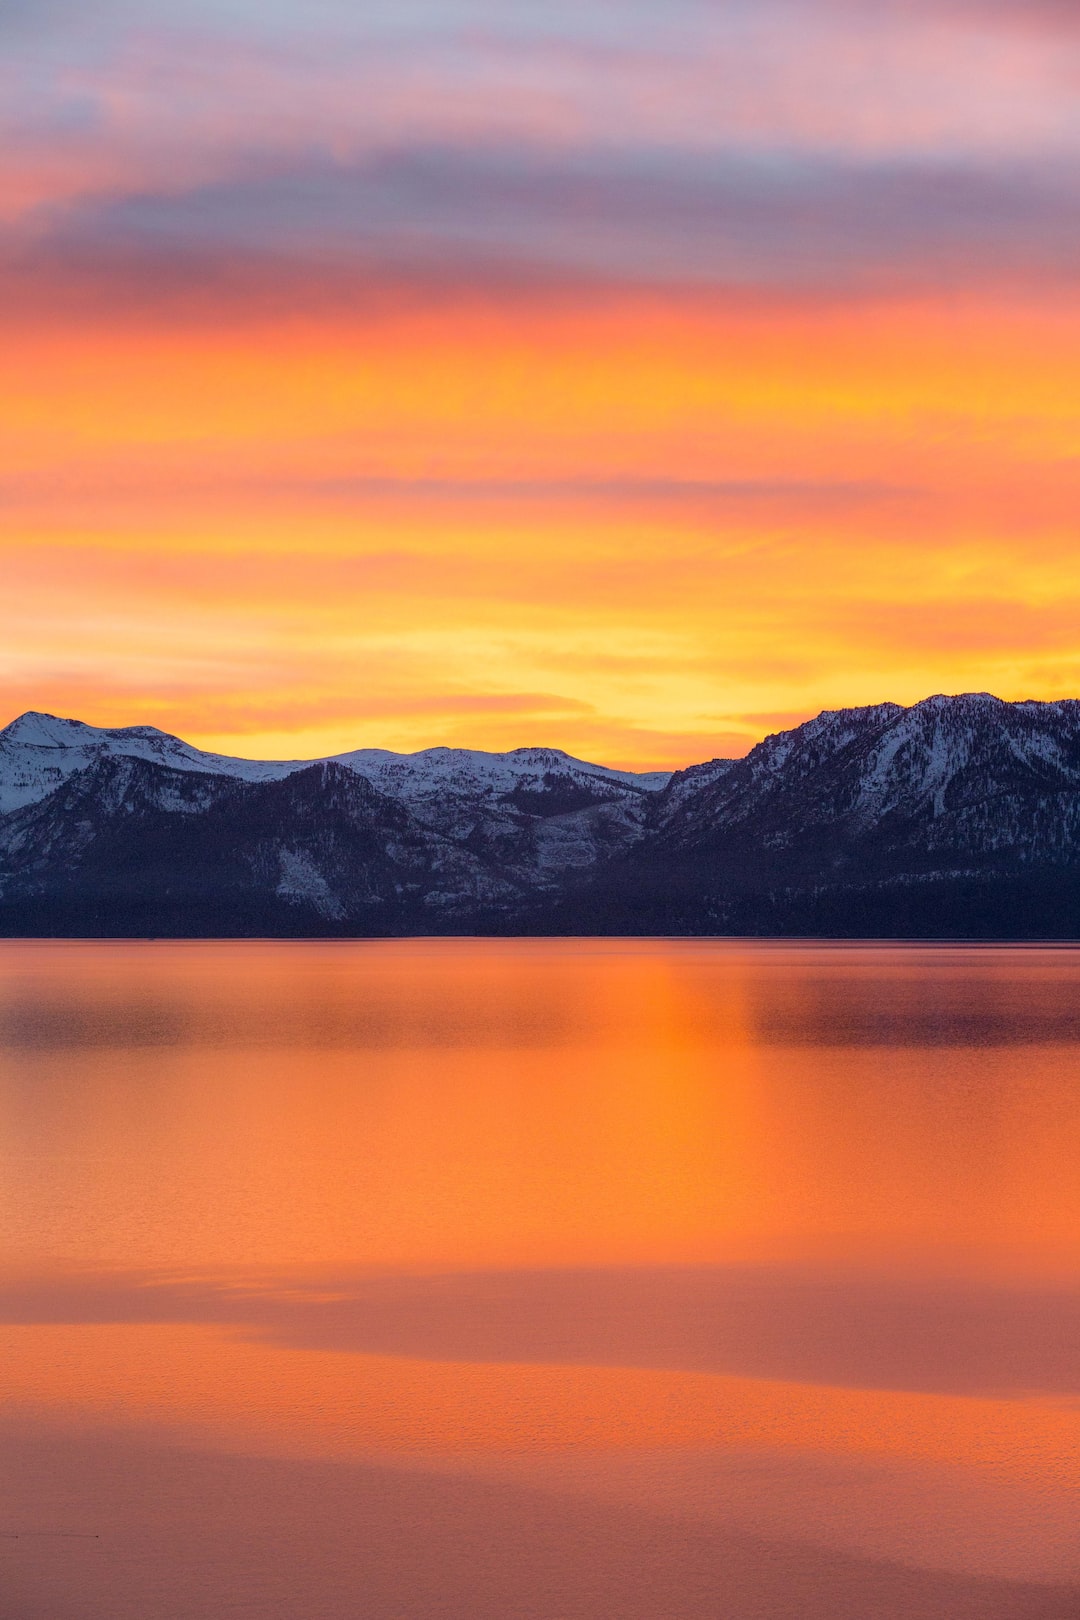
{"points": [[946, 748], [957, 817], [38, 752], [971, 769], [468, 770]]}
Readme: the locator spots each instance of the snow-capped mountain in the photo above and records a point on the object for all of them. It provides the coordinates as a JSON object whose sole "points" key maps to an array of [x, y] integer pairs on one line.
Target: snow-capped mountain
{"points": [[957, 816], [448, 830], [948, 772], [40, 751], [882, 819], [892, 754]]}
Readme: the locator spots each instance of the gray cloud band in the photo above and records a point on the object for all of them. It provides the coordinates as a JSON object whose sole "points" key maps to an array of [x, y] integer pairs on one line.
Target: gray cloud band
{"points": [[466, 217]]}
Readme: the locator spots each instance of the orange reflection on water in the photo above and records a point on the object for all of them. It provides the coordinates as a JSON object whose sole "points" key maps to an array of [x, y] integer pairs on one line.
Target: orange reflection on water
{"points": [[465, 1104], [207, 1387], [387, 1105], [783, 1241]]}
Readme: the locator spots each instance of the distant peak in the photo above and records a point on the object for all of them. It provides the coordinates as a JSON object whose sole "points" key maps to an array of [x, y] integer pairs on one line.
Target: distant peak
{"points": [[946, 700], [47, 730]]}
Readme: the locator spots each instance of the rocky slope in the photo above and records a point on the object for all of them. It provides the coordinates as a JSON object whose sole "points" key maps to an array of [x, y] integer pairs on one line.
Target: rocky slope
{"points": [[134, 831], [959, 816]]}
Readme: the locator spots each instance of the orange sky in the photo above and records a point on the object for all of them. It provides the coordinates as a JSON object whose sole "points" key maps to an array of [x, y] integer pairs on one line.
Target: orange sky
{"points": [[638, 442]]}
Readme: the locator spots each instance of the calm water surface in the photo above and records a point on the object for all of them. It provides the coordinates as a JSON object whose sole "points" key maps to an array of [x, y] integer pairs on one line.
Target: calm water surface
{"points": [[539, 1281]]}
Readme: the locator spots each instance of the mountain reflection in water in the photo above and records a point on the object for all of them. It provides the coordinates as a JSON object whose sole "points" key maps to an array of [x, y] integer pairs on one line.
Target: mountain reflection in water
{"points": [[571, 1280]]}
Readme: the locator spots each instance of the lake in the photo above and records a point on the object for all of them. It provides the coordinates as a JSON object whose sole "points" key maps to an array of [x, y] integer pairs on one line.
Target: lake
{"points": [[539, 1280]]}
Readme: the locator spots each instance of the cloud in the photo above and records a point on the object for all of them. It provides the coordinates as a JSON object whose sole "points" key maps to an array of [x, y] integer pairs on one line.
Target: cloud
{"points": [[646, 218], [427, 224], [688, 357], [225, 153], [965, 624], [771, 720], [1052, 15], [37, 16], [639, 493], [217, 88]]}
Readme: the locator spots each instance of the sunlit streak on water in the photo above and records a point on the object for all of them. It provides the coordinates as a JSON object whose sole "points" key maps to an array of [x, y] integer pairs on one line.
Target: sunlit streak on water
{"points": [[662, 1279]]}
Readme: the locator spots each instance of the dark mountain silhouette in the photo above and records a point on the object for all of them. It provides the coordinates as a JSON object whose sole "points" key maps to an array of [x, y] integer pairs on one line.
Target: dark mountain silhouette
{"points": [[958, 817]]}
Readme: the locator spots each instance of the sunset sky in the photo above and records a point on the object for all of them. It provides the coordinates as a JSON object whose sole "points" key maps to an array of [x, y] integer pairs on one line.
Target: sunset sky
{"points": [[634, 376]]}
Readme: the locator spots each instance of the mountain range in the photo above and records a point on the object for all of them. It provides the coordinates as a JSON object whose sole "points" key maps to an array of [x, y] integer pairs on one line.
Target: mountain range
{"points": [[956, 817]]}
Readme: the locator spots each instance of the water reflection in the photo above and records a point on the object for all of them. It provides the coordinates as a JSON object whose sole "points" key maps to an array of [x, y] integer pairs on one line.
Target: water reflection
{"points": [[784, 1240], [828, 1326]]}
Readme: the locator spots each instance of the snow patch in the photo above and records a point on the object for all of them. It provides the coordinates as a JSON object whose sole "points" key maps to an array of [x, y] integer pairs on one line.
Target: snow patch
{"points": [[301, 882]]}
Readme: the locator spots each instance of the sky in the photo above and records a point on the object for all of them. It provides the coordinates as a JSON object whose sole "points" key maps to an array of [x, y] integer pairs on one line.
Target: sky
{"points": [[637, 377]]}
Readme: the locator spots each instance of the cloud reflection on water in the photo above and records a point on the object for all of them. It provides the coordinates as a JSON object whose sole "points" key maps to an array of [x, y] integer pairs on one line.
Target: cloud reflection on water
{"points": [[798, 1324]]}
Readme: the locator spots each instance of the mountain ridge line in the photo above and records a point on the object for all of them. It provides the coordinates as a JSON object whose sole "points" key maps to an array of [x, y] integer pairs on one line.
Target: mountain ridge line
{"points": [[956, 816]]}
